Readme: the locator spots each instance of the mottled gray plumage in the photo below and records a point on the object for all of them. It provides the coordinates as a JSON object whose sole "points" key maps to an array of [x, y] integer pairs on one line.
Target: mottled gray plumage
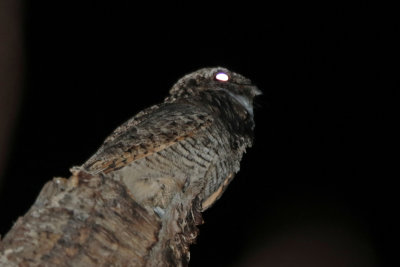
{"points": [[191, 144]]}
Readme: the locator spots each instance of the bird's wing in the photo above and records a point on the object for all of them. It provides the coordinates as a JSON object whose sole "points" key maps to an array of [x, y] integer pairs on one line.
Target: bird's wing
{"points": [[148, 133]]}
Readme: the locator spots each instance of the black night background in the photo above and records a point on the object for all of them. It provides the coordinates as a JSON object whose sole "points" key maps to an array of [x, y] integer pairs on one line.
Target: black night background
{"points": [[318, 187]]}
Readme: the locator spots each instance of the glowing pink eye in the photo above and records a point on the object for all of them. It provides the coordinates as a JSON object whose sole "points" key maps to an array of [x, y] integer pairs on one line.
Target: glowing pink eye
{"points": [[221, 76]]}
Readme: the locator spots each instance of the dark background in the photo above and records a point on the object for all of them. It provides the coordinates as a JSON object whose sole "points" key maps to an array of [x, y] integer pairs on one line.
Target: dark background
{"points": [[318, 187]]}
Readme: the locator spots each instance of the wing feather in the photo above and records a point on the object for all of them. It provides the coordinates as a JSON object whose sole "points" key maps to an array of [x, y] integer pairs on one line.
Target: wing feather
{"points": [[148, 132]]}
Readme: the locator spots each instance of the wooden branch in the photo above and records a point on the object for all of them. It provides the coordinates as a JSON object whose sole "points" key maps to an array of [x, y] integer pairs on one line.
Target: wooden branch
{"points": [[92, 220]]}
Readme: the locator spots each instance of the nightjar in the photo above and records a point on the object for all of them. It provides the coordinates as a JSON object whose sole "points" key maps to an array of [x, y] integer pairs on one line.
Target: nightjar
{"points": [[188, 146]]}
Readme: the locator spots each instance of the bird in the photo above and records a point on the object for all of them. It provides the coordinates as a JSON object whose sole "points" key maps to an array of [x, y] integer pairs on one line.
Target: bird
{"points": [[189, 146]]}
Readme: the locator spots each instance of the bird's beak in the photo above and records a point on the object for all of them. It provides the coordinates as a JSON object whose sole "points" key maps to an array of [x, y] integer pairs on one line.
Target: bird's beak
{"points": [[256, 91]]}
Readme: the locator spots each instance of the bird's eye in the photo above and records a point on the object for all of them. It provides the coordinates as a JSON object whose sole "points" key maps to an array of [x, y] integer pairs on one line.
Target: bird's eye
{"points": [[222, 76]]}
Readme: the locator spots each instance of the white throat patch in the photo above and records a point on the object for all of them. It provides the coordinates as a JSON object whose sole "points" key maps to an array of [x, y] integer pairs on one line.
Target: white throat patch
{"points": [[243, 101]]}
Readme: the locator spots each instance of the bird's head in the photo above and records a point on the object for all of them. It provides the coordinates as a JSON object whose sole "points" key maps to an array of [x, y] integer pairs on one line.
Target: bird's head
{"points": [[221, 79]]}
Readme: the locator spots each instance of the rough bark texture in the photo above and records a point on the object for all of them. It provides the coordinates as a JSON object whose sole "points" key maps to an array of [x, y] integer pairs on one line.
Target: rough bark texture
{"points": [[91, 220]]}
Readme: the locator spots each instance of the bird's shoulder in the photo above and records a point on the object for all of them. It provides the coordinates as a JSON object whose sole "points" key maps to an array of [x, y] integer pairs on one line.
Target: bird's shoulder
{"points": [[150, 131]]}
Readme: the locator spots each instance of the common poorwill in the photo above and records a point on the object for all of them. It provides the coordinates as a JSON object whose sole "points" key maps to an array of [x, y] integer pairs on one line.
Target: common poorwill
{"points": [[190, 144]]}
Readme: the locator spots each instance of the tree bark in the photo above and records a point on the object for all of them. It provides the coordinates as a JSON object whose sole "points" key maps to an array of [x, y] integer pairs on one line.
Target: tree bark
{"points": [[92, 220]]}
